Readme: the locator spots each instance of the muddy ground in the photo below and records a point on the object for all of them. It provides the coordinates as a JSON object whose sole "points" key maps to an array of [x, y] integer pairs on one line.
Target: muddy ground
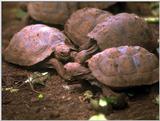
{"points": [[58, 102]]}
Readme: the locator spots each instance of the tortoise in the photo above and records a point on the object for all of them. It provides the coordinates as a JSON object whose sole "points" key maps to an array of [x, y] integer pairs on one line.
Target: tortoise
{"points": [[118, 30], [81, 22], [58, 12], [117, 68], [36, 44]]}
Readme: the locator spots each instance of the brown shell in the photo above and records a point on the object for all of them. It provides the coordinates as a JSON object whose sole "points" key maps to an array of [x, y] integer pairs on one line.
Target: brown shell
{"points": [[122, 29], [82, 22], [33, 44], [125, 66], [59, 12], [51, 12]]}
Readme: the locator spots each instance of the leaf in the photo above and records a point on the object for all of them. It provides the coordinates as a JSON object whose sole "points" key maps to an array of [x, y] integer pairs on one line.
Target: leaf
{"points": [[10, 89], [103, 102], [38, 78], [88, 94], [14, 90], [40, 96], [152, 19], [98, 117], [111, 100], [19, 13]]}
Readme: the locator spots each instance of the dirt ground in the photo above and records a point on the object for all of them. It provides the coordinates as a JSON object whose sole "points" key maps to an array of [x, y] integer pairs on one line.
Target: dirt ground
{"points": [[58, 102]]}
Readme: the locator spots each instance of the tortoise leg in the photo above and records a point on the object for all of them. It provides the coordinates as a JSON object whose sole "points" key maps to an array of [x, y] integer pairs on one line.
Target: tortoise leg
{"points": [[117, 100], [84, 55], [78, 72], [59, 68]]}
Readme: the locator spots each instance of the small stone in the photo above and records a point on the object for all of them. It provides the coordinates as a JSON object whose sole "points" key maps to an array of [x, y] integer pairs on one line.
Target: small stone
{"points": [[66, 87]]}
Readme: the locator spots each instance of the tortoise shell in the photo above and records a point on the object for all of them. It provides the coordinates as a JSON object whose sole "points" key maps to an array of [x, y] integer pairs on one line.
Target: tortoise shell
{"points": [[120, 30], [125, 66], [33, 44], [82, 22], [59, 12], [51, 12]]}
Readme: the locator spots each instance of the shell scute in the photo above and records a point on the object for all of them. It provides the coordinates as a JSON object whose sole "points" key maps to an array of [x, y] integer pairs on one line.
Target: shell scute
{"points": [[125, 65]]}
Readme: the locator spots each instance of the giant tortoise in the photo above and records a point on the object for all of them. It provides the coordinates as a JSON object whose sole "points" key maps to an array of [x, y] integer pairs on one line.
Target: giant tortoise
{"points": [[117, 68], [36, 44]]}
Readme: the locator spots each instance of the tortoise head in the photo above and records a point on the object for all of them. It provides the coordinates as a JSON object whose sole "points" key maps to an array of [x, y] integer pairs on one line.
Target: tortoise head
{"points": [[76, 70], [62, 52]]}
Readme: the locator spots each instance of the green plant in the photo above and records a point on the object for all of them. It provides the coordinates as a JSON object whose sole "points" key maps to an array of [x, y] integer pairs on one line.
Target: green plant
{"points": [[111, 100], [40, 96], [152, 19], [117, 102], [88, 94], [36, 78], [103, 102], [101, 106]]}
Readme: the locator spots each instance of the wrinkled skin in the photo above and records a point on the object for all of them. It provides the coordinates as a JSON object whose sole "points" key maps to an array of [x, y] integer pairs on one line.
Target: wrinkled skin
{"points": [[121, 67], [77, 71], [62, 52], [119, 30], [34, 44]]}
